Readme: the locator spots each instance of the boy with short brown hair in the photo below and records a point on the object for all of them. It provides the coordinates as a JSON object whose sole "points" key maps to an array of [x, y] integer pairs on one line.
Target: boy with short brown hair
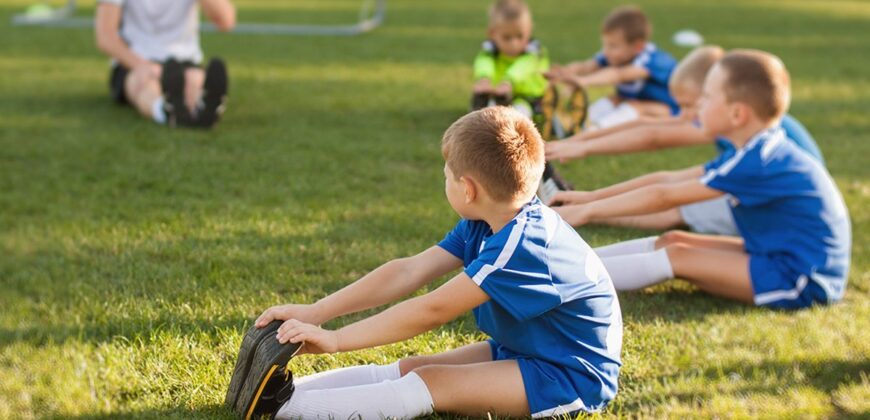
{"points": [[628, 61], [795, 234], [534, 286]]}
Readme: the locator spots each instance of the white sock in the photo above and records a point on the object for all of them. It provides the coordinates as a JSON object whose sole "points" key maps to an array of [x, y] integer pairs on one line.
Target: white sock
{"points": [[157, 112], [637, 271], [634, 246], [599, 109], [622, 114], [404, 398], [349, 376]]}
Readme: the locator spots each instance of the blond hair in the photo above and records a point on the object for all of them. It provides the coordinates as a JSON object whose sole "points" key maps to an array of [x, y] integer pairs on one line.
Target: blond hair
{"points": [[759, 79], [498, 147], [631, 21], [509, 11], [692, 69]]}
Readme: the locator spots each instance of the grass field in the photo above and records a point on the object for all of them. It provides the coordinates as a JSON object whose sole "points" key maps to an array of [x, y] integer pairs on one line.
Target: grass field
{"points": [[132, 257]]}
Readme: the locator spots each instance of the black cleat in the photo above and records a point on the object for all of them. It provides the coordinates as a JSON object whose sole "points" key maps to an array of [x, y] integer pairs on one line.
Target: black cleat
{"points": [[578, 108], [479, 100], [214, 95], [548, 105], [172, 83], [262, 381], [551, 183]]}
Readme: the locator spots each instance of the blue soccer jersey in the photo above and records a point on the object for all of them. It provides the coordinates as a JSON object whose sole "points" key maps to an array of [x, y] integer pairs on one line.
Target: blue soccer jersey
{"points": [[794, 131], [660, 65], [792, 218], [552, 307]]}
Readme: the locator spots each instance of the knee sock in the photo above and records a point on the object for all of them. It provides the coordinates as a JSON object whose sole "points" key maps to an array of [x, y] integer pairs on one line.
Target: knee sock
{"points": [[599, 109], [349, 376], [157, 112], [404, 398], [637, 271], [621, 114], [634, 246]]}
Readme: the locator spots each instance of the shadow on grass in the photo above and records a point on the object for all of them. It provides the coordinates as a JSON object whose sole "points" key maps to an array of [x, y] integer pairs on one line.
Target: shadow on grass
{"points": [[771, 378]]}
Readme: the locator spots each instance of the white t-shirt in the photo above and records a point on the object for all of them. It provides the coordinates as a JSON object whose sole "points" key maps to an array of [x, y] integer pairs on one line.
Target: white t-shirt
{"points": [[161, 29]]}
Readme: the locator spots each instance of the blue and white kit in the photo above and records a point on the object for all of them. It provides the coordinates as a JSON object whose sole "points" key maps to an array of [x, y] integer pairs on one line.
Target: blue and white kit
{"points": [[792, 218], [552, 307], [660, 65]]}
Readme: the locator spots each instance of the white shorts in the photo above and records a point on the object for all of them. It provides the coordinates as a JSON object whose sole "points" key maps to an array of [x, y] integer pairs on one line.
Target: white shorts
{"points": [[711, 216]]}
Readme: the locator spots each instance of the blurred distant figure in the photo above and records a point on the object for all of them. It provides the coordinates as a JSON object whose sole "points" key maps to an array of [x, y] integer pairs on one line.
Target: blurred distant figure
{"points": [[156, 58]]}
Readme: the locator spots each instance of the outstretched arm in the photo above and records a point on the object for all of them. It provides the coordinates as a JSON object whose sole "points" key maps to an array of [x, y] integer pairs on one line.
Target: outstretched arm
{"points": [[569, 198], [403, 321], [610, 76], [106, 25], [638, 138], [220, 12], [385, 284], [646, 200]]}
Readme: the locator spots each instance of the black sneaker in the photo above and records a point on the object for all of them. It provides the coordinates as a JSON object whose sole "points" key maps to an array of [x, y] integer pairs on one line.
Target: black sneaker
{"points": [[479, 100], [172, 83], [551, 183], [262, 381], [214, 94]]}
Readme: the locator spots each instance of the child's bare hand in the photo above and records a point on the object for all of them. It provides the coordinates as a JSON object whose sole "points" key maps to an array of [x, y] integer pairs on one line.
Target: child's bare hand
{"points": [[555, 74], [564, 150], [304, 313], [317, 340], [569, 198], [483, 86], [503, 89]]}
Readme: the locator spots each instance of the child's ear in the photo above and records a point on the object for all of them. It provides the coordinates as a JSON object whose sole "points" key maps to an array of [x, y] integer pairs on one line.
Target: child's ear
{"points": [[739, 114], [638, 46], [470, 188]]}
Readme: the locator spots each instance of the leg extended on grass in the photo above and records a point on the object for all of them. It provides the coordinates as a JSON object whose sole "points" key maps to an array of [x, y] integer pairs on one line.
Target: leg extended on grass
{"points": [[718, 265], [462, 381]]}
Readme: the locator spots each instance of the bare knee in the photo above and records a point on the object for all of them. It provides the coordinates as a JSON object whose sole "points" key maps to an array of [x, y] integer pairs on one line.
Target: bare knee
{"points": [[412, 364], [671, 237]]}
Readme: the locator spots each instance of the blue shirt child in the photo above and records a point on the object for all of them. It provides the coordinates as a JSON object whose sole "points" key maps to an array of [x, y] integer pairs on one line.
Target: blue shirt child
{"points": [[792, 218], [552, 307], [660, 65]]}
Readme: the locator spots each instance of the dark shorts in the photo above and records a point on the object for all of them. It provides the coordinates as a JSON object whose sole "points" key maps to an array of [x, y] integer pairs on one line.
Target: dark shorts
{"points": [[118, 75]]}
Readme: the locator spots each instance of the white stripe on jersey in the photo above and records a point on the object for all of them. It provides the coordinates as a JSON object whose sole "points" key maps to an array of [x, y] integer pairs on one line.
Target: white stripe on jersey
{"points": [[506, 252]]}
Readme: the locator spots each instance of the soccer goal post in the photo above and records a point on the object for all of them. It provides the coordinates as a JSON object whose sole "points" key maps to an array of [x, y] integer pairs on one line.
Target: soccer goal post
{"points": [[371, 15]]}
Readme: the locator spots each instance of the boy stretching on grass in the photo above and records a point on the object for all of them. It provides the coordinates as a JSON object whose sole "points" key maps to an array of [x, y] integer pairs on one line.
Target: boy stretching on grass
{"points": [[710, 216], [154, 46], [628, 61], [534, 286], [795, 235]]}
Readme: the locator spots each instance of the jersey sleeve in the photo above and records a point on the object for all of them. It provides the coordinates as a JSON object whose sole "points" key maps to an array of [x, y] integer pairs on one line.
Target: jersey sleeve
{"points": [[455, 240], [743, 176], [601, 59], [660, 66], [523, 294], [484, 66]]}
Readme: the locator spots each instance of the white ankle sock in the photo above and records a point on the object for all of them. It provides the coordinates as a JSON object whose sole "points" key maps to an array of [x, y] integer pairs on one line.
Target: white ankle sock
{"points": [[637, 271], [157, 112], [404, 398], [634, 246], [349, 376], [599, 109], [622, 114]]}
